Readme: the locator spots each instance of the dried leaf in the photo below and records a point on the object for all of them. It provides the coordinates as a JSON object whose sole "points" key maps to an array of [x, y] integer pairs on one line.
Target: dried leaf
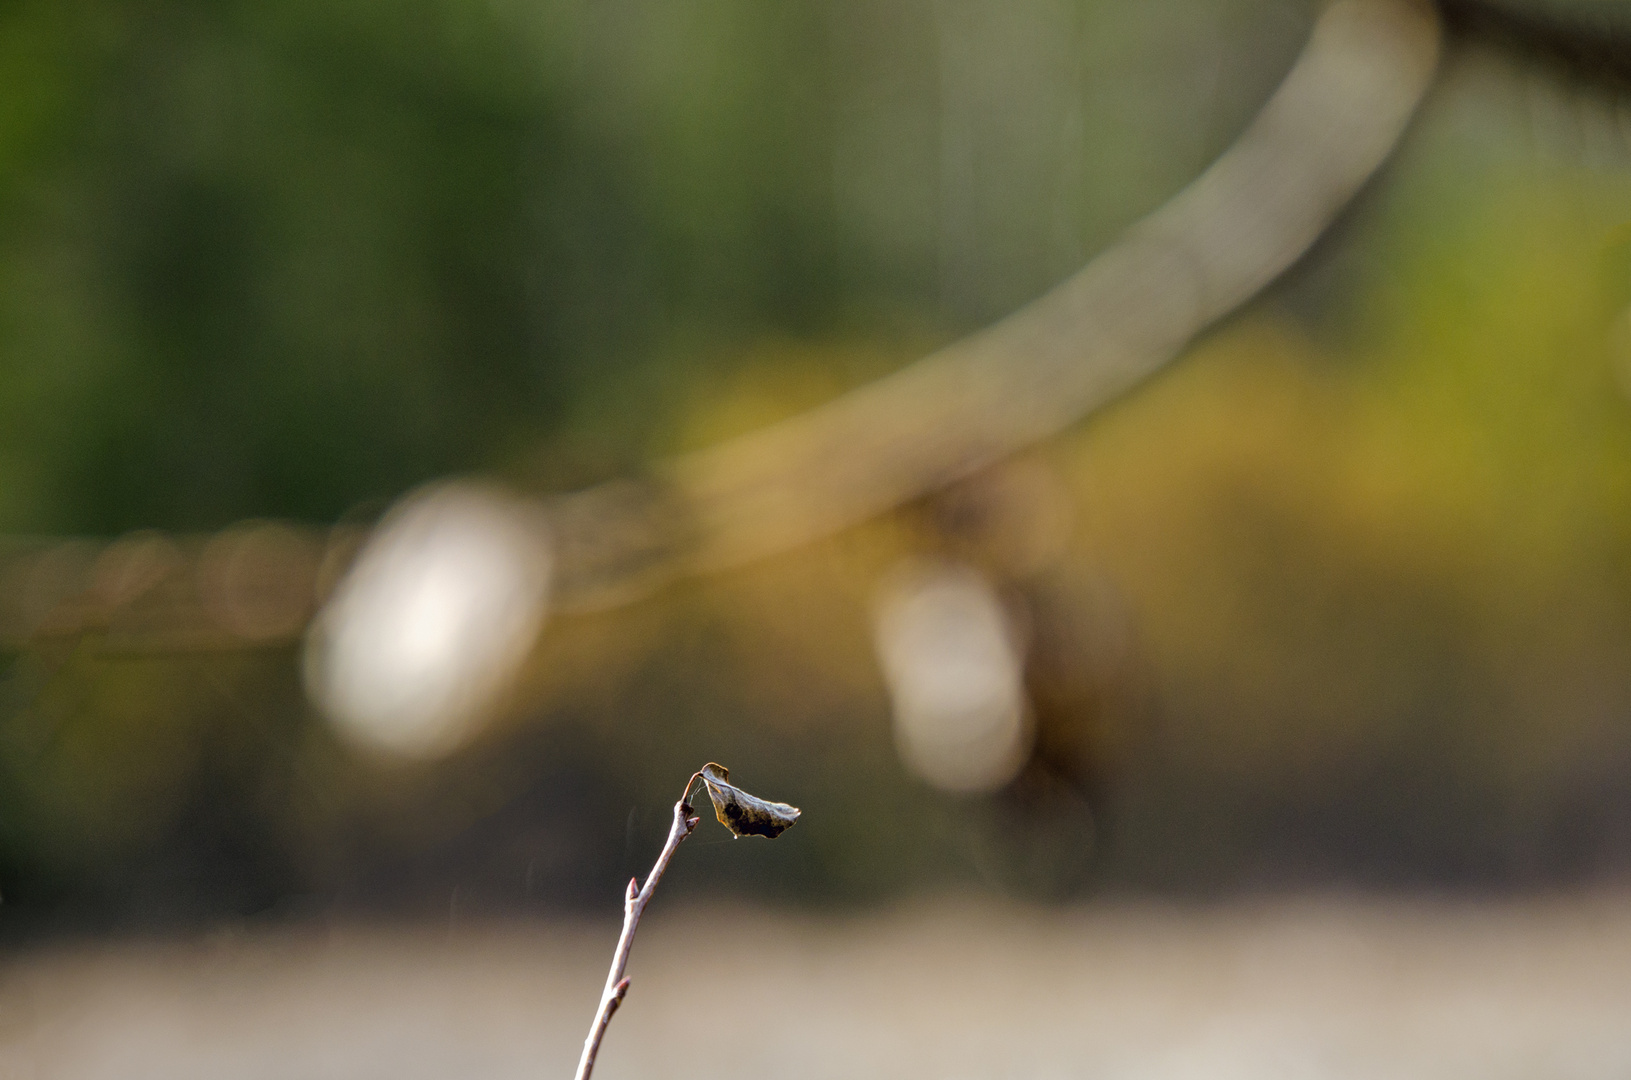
{"points": [[741, 813]]}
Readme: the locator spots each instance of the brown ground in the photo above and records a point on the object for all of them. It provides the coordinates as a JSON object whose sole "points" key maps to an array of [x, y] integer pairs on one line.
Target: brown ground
{"points": [[1294, 989]]}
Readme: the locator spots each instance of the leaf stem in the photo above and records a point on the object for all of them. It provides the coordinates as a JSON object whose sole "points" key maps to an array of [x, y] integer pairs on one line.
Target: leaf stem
{"points": [[634, 903]]}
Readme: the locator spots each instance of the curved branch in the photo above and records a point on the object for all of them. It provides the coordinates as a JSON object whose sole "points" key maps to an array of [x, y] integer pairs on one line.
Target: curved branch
{"points": [[1330, 125], [1333, 122]]}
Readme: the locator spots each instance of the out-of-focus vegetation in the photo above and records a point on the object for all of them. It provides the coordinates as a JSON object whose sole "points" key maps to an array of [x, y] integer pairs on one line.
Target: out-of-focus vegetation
{"points": [[1356, 574], [277, 259]]}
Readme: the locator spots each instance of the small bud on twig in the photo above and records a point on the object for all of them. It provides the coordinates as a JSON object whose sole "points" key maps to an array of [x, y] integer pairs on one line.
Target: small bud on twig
{"points": [[743, 815]]}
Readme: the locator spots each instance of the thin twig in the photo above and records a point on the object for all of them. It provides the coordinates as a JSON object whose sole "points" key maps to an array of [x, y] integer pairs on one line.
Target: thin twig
{"points": [[634, 903]]}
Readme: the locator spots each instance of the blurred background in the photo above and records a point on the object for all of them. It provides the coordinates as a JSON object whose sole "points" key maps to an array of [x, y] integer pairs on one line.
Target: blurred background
{"points": [[1339, 604]]}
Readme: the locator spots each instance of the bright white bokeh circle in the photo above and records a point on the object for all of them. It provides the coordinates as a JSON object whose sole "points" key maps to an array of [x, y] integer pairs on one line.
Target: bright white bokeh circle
{"points": [[432, 622], [955, 675]]}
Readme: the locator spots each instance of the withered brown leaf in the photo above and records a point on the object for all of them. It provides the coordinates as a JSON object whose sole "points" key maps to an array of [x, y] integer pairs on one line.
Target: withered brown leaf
{"points": [[741, 813]]}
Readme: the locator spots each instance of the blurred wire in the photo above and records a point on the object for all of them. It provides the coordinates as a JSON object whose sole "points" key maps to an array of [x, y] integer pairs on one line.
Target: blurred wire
{"points": [[1332, 123], [255, 584]]}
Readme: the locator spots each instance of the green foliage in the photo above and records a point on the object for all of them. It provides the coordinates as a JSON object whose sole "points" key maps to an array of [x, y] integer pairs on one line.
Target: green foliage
{"points": [[282, 258], [290, 257]]}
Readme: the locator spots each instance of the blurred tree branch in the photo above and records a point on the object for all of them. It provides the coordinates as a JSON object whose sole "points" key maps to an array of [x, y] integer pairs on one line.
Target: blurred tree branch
{"points": [[930, 423], [1332, 123]]}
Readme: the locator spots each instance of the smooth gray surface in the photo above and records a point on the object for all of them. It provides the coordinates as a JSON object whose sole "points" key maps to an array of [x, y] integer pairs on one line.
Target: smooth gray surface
{"points": [[1292, 988]]}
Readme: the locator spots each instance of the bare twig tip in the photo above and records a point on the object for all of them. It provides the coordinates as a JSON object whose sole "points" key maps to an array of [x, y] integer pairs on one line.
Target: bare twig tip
{"points": [[634, 904]]}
